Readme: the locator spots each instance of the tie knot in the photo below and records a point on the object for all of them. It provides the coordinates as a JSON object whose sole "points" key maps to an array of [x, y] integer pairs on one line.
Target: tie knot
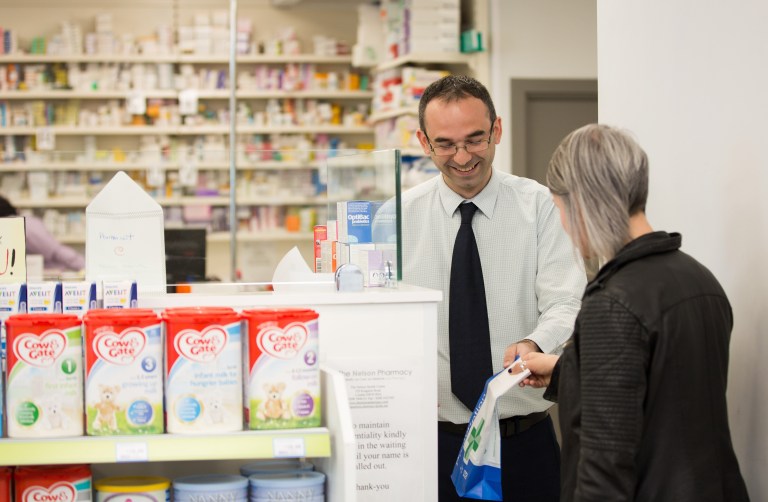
{"points": [[467, 212]]}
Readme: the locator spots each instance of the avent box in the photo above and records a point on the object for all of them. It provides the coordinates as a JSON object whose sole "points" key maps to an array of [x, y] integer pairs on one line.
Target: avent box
{"points": [[123, 372], [44, 387], [204, 370], [282, 384]]}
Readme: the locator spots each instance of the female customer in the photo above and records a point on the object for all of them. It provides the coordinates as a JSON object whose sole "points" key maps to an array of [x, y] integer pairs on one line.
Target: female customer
{"points": [[641, 385]]}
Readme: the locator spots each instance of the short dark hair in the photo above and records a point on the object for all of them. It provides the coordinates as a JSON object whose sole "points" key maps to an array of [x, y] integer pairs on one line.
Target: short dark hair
{"points": [[454, 88], [6, 208]]}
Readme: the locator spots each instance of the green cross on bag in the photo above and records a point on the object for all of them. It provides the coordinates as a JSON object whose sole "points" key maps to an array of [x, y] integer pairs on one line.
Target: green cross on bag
{"points": [[473, 441]]}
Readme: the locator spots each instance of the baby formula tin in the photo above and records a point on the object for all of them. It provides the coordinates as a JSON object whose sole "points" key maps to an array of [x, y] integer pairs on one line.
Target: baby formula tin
{"points": [[204, 376], [5, 484], [133, 489], [123, 372], [283, 380], [44, 388], [55, 483], [276, 465], [210, 488], [304, 486]]}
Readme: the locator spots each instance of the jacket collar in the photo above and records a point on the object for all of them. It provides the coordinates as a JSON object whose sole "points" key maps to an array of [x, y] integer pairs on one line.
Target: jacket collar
{"points": [[645, 245]]}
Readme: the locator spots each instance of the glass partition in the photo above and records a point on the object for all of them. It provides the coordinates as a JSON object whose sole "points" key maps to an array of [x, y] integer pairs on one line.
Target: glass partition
{"points": [[364, 215], [282, 197]]}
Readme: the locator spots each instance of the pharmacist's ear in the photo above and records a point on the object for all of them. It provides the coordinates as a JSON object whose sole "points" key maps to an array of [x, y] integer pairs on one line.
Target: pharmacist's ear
{"points": [[497, 131], [424, 142]]}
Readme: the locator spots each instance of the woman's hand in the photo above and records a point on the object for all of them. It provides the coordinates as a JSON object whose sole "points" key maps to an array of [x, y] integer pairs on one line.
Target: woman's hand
{"points": [[541, 366]]}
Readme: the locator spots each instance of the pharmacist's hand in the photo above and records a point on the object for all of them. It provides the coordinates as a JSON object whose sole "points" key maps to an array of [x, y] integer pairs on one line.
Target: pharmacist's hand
{"points": [[519, 349], [541, 366]]}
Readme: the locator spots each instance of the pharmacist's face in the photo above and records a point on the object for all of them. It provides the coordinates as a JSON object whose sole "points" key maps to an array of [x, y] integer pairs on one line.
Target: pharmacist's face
{"points": [[465, 122]]}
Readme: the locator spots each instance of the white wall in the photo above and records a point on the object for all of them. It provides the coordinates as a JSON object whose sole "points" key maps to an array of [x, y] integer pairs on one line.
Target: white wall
{"points": [[537, 39], [690, 79]]}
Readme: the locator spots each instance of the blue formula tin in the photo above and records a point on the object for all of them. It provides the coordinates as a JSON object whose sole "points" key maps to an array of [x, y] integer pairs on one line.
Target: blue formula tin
{"points": [[210, 488], [302, 485], [276, 465]]}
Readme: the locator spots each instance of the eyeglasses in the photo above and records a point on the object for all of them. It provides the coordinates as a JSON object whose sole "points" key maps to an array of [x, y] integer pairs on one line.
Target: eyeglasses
{"points": [[469, 147]]}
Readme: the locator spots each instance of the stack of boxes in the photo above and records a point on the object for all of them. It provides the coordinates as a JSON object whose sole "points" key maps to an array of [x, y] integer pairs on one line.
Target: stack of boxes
{"points": [[421, 26], [431, 26], [208, 35]]}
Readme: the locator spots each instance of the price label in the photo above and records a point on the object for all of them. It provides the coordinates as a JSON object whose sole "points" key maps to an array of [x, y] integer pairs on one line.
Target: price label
{"points": [[131, 452], [188, 102], [45, 138], [288, 447], [188, 174], [136, 103]]}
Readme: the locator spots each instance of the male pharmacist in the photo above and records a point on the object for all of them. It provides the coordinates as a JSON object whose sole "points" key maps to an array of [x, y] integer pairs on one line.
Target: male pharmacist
{"points": [[530, 275]]}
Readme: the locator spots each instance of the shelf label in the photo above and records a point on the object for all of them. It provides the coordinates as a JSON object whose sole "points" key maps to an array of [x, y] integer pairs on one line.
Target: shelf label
{"points": [[131, 452], [288, 447], [188, 102], [136, 103], [45, 138]]}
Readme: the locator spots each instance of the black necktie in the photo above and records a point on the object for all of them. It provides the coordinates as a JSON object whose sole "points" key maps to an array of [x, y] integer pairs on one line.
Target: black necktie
{"points": [[468, 332]]}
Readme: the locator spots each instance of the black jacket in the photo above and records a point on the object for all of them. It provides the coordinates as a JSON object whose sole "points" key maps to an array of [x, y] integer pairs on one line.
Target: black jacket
{"points": [[642, 386]]}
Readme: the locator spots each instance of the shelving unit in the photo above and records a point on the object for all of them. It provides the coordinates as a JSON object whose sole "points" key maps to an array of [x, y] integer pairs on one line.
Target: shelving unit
{"points": [[127, 136], [224, 237]]}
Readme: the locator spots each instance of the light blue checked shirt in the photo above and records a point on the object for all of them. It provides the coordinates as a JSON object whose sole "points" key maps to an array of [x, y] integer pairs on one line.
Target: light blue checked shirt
{"points": [[533, 277]]}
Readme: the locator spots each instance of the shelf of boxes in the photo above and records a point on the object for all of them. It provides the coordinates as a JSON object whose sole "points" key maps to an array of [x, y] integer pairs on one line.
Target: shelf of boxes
{"points": [[393, 113], [224, 237], [173, 58], [14, 167], [61, 130], [201, 94], [192, 200], [425, 59]]}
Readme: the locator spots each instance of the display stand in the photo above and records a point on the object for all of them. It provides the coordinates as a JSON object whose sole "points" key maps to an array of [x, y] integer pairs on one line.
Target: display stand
{"points": [[384, 342]]}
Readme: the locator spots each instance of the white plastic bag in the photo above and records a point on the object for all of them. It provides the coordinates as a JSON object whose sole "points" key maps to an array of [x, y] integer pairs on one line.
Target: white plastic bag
{"points": [[477, 473]]}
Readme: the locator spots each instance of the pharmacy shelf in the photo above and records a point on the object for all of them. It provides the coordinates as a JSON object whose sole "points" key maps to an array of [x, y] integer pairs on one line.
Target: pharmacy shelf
{"points": [[431, 58], [88, 58], [393, 113], [306, 94], [315, 442], [185, 130], [199, 200], [72, 94], [265, 236], [201, 94], [170, 166], [172, 58], [224, 237]]}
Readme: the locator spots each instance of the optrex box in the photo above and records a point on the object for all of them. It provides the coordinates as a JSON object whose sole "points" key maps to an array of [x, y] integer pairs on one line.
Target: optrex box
{"points": [[282, 383], [123, 372]]}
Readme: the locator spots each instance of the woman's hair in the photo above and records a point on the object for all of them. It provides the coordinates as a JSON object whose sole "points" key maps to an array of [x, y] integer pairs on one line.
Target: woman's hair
{"points": [[601, 175], [6, 208]]}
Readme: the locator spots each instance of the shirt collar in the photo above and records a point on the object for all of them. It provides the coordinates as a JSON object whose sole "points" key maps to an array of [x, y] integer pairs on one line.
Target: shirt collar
{"points": [[485, 200]]}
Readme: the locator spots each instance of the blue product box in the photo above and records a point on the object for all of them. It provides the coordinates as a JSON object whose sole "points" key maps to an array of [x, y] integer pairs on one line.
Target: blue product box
{"points": [[359, 220]]}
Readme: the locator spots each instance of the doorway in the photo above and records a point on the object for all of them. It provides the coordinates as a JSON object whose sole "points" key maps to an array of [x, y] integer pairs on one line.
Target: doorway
{"points": [[543, 112]]}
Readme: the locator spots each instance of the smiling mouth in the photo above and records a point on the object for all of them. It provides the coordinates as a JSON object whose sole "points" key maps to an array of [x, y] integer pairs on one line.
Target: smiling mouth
{"points": [[467, 168]]}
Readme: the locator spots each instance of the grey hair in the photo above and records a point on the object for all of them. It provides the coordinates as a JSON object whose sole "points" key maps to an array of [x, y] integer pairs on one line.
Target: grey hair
{"points": [[601, 176]]}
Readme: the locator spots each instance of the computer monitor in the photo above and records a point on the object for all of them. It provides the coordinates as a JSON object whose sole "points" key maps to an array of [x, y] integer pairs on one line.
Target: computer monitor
{"points": [[184, 255]]}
